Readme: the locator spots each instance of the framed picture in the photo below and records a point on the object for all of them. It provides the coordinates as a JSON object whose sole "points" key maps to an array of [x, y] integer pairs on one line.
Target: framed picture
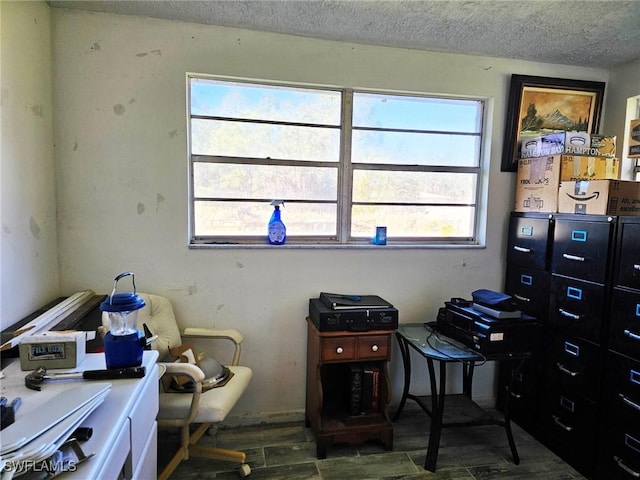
{"points": [[540, 105]]}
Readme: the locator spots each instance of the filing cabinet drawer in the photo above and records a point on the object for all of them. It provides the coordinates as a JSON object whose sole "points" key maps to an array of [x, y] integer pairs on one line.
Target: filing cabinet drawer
{"points": [[581, 247], [620, 453], [528, 240], [622, 382], [337, 349], [524, 395], [570, 430], [530, 290], [574, 365], [577, 307], [624, 331], [628, 264]]}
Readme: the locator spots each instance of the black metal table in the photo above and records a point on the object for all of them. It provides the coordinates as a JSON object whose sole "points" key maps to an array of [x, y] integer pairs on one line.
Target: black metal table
{"points": [[435, 347]]}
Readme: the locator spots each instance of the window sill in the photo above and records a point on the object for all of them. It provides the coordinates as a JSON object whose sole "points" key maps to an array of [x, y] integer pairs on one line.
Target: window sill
{"points": [[303, 246]]}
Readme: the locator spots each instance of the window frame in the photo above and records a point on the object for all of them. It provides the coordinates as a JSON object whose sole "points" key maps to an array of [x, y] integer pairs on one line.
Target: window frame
{"points": [[345, 169]]}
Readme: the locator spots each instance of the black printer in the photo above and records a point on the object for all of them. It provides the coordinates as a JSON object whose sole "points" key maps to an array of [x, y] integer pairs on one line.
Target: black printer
{"points": [[337, 312], [489, 329]]}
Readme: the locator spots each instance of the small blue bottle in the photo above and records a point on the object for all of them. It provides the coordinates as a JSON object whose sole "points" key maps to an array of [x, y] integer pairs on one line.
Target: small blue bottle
{"points": [[277, 232]]}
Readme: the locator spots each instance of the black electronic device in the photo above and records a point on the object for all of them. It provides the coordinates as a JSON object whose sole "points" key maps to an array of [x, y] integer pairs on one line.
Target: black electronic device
{"points": [[488, 335], [354, 319]]}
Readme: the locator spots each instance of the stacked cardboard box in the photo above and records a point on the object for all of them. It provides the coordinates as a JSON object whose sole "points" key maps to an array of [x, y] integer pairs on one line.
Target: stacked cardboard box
{"points": [[634, 139], [546, 161], [600, 197]]}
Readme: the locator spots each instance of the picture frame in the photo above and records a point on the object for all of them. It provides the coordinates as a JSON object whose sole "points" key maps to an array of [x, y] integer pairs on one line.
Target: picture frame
{"points": [[540, 105]]}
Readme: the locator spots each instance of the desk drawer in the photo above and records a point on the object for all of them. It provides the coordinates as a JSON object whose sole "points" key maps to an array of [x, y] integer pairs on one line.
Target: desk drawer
{"points": [[115, 465], [338, 349], [143, 416], [355, 347], [373, 347]]}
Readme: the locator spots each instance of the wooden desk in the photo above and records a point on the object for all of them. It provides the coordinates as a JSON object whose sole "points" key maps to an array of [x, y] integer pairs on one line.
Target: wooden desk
{"points": [[124, 426], [444, 350]]}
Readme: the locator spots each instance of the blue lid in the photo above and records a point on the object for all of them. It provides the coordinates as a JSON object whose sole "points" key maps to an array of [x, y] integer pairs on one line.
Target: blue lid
{"points": [[122, 302]]}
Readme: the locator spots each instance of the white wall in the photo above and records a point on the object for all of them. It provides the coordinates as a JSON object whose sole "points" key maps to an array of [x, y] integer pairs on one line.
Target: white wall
{"points": [[121, 173], [29, 243], [119, 91], [624, 83]]}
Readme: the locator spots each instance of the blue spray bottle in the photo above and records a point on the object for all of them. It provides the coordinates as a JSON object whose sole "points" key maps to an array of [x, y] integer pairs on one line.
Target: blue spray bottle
{"points": [[277, 232]]}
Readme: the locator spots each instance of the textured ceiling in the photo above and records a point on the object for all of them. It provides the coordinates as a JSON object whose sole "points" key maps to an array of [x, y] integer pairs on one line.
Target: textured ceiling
{"points": [[586, 33]]}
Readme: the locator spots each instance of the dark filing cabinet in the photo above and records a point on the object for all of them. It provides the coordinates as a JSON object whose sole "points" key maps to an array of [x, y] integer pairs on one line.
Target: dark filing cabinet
{"points": [[619, 448], [527, 281], [582, 255], [580, 276]]}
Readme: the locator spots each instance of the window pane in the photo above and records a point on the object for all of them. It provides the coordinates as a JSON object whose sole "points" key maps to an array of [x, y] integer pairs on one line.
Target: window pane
{"points": [[236, 219], [413, 187], [246, 181], [264, 102], [398, 148], [416, 113], [236, 139], [413, 222]]}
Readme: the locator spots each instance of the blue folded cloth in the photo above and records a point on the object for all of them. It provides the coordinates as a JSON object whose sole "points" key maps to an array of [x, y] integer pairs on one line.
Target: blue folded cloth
{"points": [[496, 300]]}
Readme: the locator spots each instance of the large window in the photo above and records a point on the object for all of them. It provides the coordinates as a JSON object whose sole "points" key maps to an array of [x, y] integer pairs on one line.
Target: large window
{"points": [[343, 161]]}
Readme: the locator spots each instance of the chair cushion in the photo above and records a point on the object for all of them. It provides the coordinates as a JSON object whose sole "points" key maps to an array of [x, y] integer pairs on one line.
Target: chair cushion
{"points": [[215, 404]]}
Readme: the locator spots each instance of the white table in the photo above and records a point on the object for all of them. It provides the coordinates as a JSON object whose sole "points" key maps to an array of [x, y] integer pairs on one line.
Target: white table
{"points": [[124, 427]]}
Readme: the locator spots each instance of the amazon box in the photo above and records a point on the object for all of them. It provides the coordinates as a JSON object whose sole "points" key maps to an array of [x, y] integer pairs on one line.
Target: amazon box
{"points": [[537, 183], [600, 197]]}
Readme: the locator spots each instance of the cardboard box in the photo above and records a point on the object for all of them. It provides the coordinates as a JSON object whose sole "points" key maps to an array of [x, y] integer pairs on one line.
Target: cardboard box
{"points": [[542, 145], [576, 167], [600, 197], [634, 139], [537, 184], [572, 143]]}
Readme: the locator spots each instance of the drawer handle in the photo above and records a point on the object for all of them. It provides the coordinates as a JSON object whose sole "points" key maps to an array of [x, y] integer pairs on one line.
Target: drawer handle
{"points": [[521, 249], [339, 350], [631, 403], [515, 395], [564, 369], [521, 298], [573, 257], [633, 473], [631, 335], [374, 348], [560, 424], [564, 313]]}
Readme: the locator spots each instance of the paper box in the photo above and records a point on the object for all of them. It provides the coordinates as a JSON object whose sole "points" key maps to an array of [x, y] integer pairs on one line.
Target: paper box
{"points": [[634, 139], [600, 197], [542, 145], [53, 349], [576, 167], [537, 184], [595, 145], [572, 143]]}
